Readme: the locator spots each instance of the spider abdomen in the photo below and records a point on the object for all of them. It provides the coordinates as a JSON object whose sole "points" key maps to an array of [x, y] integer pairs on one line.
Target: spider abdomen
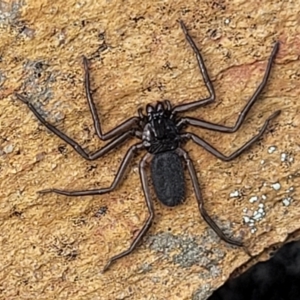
{"points": [[168, 178]]}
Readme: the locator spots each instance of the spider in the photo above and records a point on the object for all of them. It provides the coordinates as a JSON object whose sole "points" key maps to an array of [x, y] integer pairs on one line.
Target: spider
{"points": [[161, 133]]}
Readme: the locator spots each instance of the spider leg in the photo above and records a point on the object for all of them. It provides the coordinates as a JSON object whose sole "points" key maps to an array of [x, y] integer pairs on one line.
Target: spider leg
{"points": [[89, 156], [147, 224], [126, 125], [244, 112], [199, 198], [235, 154], [120, 174], [203, 70]]}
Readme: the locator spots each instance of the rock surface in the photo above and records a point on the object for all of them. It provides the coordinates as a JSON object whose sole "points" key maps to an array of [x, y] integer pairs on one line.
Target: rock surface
{"points": [[54, 247]]}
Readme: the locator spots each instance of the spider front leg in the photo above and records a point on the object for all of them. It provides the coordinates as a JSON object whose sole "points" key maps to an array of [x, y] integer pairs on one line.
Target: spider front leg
{"points": [[120, 174], [126, 125], [108, 147], [217, 153], [148, 222], [199, 198], [203, 70], [119, 134], [244, 112]]}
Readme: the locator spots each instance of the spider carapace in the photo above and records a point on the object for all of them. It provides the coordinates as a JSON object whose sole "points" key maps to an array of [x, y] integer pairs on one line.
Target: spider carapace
{"points": [[161, 133]]}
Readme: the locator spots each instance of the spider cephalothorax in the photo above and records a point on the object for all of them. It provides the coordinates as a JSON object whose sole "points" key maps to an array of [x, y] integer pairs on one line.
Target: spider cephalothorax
{"points": [[160, 131]]}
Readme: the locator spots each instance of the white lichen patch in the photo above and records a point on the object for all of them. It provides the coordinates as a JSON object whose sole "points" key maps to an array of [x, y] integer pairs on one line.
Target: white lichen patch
{"points": [[251, 217], [256, 211]]}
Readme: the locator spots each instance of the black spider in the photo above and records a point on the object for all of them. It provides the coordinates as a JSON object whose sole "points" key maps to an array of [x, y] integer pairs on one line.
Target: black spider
{"points": [[161, 133]]}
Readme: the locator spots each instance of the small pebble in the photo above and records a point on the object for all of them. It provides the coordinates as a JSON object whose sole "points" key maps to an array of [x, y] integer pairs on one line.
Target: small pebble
{"points": [[264, 197], [8, 149], [253, 199], [276, 186], [261, 210], [287, 201], [271, 149], [283, 156], [257, 216], [246, 219], [227, 21], [235, 194]]}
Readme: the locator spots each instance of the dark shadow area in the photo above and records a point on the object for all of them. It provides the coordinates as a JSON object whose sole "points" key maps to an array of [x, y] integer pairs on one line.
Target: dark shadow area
{"points": [[275, 279]]}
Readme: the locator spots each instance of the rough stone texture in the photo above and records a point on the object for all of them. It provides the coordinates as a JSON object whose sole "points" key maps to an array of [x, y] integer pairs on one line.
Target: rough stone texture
{"points": [[54, 247]]}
